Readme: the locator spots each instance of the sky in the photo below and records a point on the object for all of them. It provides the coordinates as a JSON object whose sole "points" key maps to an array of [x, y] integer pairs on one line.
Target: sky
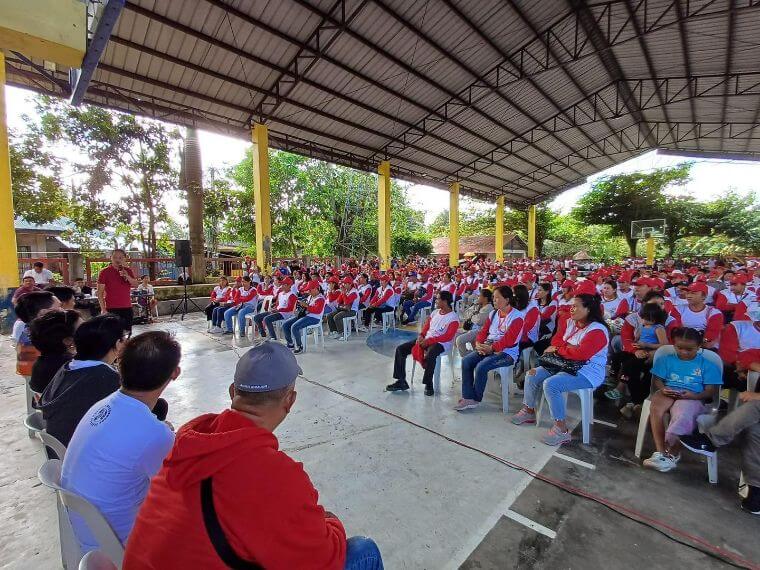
{"points": [[709, 178]]}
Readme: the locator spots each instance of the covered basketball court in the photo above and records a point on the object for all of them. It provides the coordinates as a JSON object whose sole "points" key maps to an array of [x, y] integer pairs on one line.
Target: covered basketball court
{"points": [[506, 101]]}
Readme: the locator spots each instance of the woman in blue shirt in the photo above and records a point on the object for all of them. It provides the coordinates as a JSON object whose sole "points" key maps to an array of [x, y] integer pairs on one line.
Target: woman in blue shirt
{"points": [[684, 381]]}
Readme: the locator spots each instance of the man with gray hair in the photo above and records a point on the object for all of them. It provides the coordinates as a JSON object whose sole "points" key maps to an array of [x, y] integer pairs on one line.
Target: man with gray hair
{"points": [[227, 497]]}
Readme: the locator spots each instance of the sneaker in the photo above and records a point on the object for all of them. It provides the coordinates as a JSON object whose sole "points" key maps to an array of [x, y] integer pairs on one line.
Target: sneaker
{"points": [[660, 462], [752, 503], [216, 330], [698, 443], [397, 386], [291, 346], [334, 335], [342, 338], [297, 350], [465, 404], [556, 437], [627, 410], [227, 332], [429, 391], [523, 417], [362, 328]]}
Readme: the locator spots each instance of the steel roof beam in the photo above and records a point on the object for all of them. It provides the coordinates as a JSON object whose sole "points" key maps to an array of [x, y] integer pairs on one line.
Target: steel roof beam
{"points": [[607, 56], [685, 51], [406, 67], [435, 116], [729, 55], [647, 56], [484, 82]]}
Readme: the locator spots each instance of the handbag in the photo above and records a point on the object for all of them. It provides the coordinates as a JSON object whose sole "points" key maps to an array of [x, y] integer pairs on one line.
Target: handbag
{"points": [[467, 325], [555, 363]]}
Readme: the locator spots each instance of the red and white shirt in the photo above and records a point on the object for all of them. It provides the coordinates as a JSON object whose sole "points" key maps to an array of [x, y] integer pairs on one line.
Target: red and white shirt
{"points": [[740, 343], [316, 306], [350, 299], [615, 308], [532, 322], [586, 343], [286, 304], [709, 321], [220, 294], [441, 328], [503, 332]]}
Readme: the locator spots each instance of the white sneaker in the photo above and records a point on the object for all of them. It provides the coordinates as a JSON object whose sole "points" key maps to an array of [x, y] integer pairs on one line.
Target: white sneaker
{"points": [[342, 339], [661, 462], [362, 328], [335, 335], [465, 404], [216, 330]]}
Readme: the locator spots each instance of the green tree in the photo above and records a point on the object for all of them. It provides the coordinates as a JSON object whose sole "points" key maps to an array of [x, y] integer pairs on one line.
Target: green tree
{"points": [[618, 200], [734, 216]]}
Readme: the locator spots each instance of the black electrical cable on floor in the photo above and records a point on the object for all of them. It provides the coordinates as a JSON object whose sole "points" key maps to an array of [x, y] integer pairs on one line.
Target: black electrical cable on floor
{"points": [[663, 528]]}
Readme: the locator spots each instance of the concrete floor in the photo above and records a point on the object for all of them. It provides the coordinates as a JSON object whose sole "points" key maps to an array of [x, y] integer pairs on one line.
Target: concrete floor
{"points": [[430, 503]]}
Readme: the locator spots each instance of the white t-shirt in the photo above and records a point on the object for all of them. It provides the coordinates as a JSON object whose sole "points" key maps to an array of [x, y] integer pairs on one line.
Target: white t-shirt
{"points": [[117, 447], [41, 278]]}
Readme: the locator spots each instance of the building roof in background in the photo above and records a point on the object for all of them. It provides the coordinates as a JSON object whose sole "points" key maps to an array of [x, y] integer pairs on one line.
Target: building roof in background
{"points": [[474, 244], [59, 225], [520, 99]]}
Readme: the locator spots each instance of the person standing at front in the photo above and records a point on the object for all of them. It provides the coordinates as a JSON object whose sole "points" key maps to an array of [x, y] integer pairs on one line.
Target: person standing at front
{"points": [[115, 284]]}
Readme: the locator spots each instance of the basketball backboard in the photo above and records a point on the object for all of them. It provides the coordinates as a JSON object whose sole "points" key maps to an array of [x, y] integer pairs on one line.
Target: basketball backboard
{"points": [[642, 229]]}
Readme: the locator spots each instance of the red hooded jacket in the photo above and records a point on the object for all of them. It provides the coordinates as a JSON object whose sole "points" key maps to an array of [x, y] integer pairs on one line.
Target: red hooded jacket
{"points": [[264, 500]]}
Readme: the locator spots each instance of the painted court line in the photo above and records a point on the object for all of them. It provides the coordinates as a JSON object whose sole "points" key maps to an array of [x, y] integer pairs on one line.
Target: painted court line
{"points": [[602, 422], [574, 460], [517, 517]]}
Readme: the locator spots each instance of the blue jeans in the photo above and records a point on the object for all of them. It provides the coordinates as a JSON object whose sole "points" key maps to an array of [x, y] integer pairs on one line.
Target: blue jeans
{"points": [[244, 310], [217, 315], [475, 369], [411, 309], [269, 321], [554, 386], [228, 314], [293, 327], [362, 554]]}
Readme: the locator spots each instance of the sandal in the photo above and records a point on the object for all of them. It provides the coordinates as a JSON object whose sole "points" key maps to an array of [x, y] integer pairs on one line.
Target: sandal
{"points": [[613, 394]]}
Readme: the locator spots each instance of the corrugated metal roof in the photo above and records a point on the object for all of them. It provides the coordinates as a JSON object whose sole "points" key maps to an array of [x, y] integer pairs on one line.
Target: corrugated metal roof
{"points": [[521, 98]]}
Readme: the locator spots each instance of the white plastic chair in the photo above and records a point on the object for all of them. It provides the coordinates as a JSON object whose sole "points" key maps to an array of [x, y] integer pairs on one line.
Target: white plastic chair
{"points": [[586, 396], [50, 476], [422, 316], [317, 332], [437, 371], [277, 326], [458, 306], [30, 395], [347, 321], [35, 423], [712, 462], [96, 560], [752, 380], [389, 321], [506, 377]]}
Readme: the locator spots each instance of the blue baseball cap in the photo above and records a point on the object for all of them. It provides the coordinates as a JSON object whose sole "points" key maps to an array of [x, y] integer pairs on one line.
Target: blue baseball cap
{"points": [[266, 367]]}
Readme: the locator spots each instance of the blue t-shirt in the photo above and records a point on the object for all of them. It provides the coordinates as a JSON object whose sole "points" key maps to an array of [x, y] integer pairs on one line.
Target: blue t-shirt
{"points": [[118, 446], [690, 375], [649, 334]]}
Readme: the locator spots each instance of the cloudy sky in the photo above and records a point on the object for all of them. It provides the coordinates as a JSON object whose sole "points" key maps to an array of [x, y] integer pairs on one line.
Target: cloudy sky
{"points": [[709, 177]]}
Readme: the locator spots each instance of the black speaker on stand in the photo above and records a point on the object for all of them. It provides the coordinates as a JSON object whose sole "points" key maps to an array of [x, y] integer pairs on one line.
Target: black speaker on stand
{"points": [[183, 258]]}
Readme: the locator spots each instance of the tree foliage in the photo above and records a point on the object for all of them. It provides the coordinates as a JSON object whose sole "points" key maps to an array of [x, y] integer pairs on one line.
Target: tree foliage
{"points": [[618, 200]]}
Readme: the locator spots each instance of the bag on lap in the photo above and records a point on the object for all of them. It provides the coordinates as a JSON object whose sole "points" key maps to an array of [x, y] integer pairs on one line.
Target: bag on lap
{"points": [[555, 363]]}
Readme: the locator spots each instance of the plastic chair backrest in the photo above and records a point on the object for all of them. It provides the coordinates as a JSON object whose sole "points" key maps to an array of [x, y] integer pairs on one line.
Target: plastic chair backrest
{"points": [[36, 423], [96, 560], [50, 476]]}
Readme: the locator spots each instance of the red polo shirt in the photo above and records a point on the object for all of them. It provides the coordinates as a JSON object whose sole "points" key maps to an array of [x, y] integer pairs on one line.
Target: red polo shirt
{"points": [[117, 288]]}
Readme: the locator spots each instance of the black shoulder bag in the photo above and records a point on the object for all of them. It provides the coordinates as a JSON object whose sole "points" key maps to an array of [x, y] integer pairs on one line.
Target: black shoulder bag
{"points": [[216, 533]]}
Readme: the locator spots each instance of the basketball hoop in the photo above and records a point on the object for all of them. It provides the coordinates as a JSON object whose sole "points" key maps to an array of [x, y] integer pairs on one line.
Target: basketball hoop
{"points": [[649, 230]]}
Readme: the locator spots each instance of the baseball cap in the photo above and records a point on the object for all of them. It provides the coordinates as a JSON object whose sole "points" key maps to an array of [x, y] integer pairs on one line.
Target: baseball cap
{"points": [[740, 279], [698, 287], [567, 284], [286, 281], [312, 285], [586, 287], [348, 281], [266, 367]]}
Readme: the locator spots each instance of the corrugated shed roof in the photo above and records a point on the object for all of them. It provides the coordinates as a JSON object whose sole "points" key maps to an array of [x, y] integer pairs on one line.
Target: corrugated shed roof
{"points": [[521, 99], [474, 244]]}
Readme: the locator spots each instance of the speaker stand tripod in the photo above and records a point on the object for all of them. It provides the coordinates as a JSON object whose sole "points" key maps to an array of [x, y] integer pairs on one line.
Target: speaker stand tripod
{"points": [[184, 300]]}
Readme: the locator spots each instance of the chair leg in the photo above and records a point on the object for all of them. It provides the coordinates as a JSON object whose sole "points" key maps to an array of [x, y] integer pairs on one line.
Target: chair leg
{"points": [[506, 375], [712, 469], [643, 425], [587, 412]]}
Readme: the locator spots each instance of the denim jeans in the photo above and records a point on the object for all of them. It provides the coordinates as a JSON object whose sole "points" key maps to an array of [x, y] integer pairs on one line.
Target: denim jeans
{"points": [[269, 321], [362, 554], [475, 369], [246, 310], [554, 386], [258, 321], [413, 308], [293, 327], [228, 315], [217, 315]]}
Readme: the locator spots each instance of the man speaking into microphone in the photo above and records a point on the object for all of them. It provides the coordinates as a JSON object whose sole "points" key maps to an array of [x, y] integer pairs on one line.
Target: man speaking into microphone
{"points": [[115, 284]]}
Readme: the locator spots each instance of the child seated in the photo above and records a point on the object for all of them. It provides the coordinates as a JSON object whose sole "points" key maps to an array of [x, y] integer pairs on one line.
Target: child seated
{"points": [[684, 381], [648, 337]]}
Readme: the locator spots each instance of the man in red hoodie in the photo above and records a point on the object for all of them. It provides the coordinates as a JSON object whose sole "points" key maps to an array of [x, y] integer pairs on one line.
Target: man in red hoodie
{"points": [[227, 497]]}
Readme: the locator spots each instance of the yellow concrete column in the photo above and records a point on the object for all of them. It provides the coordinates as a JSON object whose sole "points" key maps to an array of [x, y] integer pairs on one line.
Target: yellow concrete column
{"points": [[260, 138], [454, 224], [532, 232], [650, 251], [384, 214], [8, 254], [499, 245]]}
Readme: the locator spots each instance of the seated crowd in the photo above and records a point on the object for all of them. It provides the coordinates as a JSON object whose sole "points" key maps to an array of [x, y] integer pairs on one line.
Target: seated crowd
{"points": [[631, 333]]}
